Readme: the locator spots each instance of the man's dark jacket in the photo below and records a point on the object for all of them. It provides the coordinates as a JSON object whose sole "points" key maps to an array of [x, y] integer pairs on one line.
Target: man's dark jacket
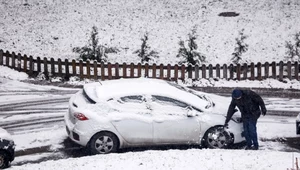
{"points": [[250, 105]]}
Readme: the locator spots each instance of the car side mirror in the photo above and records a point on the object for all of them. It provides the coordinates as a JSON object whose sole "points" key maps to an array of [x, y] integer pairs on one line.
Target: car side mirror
{"points": [[191, 112]]}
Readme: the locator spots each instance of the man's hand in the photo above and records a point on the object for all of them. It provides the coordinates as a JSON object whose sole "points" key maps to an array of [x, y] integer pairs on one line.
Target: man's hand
{"points": [[264, 113], [225, 125]]}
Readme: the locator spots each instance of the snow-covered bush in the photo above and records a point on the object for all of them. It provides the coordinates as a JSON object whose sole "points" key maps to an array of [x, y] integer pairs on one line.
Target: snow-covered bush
{"points": [[293, 48], [94, 50], [240, 48], [190, 54], [145, 53]]}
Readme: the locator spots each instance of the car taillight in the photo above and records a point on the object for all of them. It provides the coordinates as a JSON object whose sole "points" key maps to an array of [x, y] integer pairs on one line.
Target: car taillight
{"points": [[80, 116]]}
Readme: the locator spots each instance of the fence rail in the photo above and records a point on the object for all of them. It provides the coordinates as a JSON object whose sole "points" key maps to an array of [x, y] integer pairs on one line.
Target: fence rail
{"points": [[94, 70]]}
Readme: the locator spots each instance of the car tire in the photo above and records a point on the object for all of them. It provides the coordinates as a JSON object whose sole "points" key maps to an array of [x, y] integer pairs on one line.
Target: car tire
{"points": [[104, 143], [217, 138], [4, 160]]}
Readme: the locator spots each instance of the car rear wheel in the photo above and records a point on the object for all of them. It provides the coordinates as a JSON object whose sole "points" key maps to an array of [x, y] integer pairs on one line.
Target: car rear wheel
{"points": [[104, 143], [217, 138], [3, 160]]}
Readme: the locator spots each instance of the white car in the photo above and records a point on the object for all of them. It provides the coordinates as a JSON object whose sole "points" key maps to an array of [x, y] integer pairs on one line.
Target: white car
{"points": [[114, 114]]}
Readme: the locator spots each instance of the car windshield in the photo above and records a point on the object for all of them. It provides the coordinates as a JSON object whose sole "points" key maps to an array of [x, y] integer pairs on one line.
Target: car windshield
{"points": [[201, 96]]}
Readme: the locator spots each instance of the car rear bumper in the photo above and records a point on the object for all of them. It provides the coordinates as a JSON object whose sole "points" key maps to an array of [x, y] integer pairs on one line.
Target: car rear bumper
{"points": [[74, 133]]}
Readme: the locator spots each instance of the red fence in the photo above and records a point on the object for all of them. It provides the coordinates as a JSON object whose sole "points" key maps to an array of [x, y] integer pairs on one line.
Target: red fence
{"points": [[94, 70]]}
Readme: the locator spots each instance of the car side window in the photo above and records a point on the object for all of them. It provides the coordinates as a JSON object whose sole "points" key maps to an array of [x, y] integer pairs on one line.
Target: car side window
{"points": [[168, 101], [132, 99]]}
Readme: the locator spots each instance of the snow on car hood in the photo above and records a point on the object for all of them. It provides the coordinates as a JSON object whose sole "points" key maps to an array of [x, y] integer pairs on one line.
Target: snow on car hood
{"points": [[5, 135]]}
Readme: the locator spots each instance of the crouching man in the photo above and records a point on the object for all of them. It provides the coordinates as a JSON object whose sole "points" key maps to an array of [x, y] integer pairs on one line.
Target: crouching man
{"points": [[251, 106]]}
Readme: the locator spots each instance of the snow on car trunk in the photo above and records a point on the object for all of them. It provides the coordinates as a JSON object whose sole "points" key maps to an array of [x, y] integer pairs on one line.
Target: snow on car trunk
{"points": [[5, 135]]}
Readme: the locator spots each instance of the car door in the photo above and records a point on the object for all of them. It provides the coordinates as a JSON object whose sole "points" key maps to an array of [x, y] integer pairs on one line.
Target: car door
{"points": [[133, 120], [172, 122]]}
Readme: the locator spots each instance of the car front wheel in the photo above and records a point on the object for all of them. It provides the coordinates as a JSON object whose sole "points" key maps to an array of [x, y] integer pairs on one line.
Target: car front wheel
{"points": [[3, 160], [104, 143], [217, 138]]}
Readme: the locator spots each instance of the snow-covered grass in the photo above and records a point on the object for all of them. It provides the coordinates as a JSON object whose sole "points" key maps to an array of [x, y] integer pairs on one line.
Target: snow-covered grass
{"points": [[49, 28]]}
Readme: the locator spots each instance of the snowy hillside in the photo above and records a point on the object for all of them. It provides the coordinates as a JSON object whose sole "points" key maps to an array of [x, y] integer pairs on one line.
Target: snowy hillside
{"points": [[49, 28]]}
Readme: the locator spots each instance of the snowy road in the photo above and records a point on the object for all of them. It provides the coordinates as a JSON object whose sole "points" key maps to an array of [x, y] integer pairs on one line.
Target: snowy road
{"points": [[35, 119]]}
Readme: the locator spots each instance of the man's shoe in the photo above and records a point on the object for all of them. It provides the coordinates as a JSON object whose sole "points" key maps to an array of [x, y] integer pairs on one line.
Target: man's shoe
{"points": [[255, 148], [248, 148]]}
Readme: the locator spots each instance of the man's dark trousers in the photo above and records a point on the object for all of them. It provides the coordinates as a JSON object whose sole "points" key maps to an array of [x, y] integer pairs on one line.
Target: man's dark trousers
{"points": [[250, 133]]}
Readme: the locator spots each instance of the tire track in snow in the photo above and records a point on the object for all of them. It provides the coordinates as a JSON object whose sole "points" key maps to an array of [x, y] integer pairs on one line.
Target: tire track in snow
{"points": [[12, 106], [10, 125]]}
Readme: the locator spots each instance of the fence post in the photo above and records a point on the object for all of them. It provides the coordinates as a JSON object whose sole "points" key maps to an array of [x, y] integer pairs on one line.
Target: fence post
{"points": [[225, 71], [46, 67], [1, 57], [267, 70], [203, 68], [52, 66], [161, 71], [146, 70], [31, 65], [131, 70], [95, 70], [190, 71], [88, 69], [289, 70], [117, 71], [59, 67], [196, 72], [259, 71], [296, 65], [25, 63], [67, 76], [139, 70], [168, 71], [280, 70], [182, 72], [154, 70], [231, 71], [124, 70], [80, 69], [175, 72], [13, 60], [218, 72], [245, 71], [102, 71], [109, 71], [38, 63], [252, 66], [238, 72], [7, 59], [19, 62], [273, 70], [210, 71], [74, 67]]}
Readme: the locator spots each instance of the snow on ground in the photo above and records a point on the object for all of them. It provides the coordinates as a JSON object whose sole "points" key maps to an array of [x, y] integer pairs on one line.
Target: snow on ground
{"points": [[272, 155], [48, 28], [192, 159]]}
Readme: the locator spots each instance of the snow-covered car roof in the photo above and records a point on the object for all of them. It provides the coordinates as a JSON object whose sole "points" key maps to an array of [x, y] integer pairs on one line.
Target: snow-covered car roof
{"points": [[5, 135], [105, 90]]}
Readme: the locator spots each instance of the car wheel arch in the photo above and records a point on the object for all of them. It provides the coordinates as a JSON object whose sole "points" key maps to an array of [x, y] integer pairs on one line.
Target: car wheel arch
{"points": [[203, 141], [105, 132]]}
